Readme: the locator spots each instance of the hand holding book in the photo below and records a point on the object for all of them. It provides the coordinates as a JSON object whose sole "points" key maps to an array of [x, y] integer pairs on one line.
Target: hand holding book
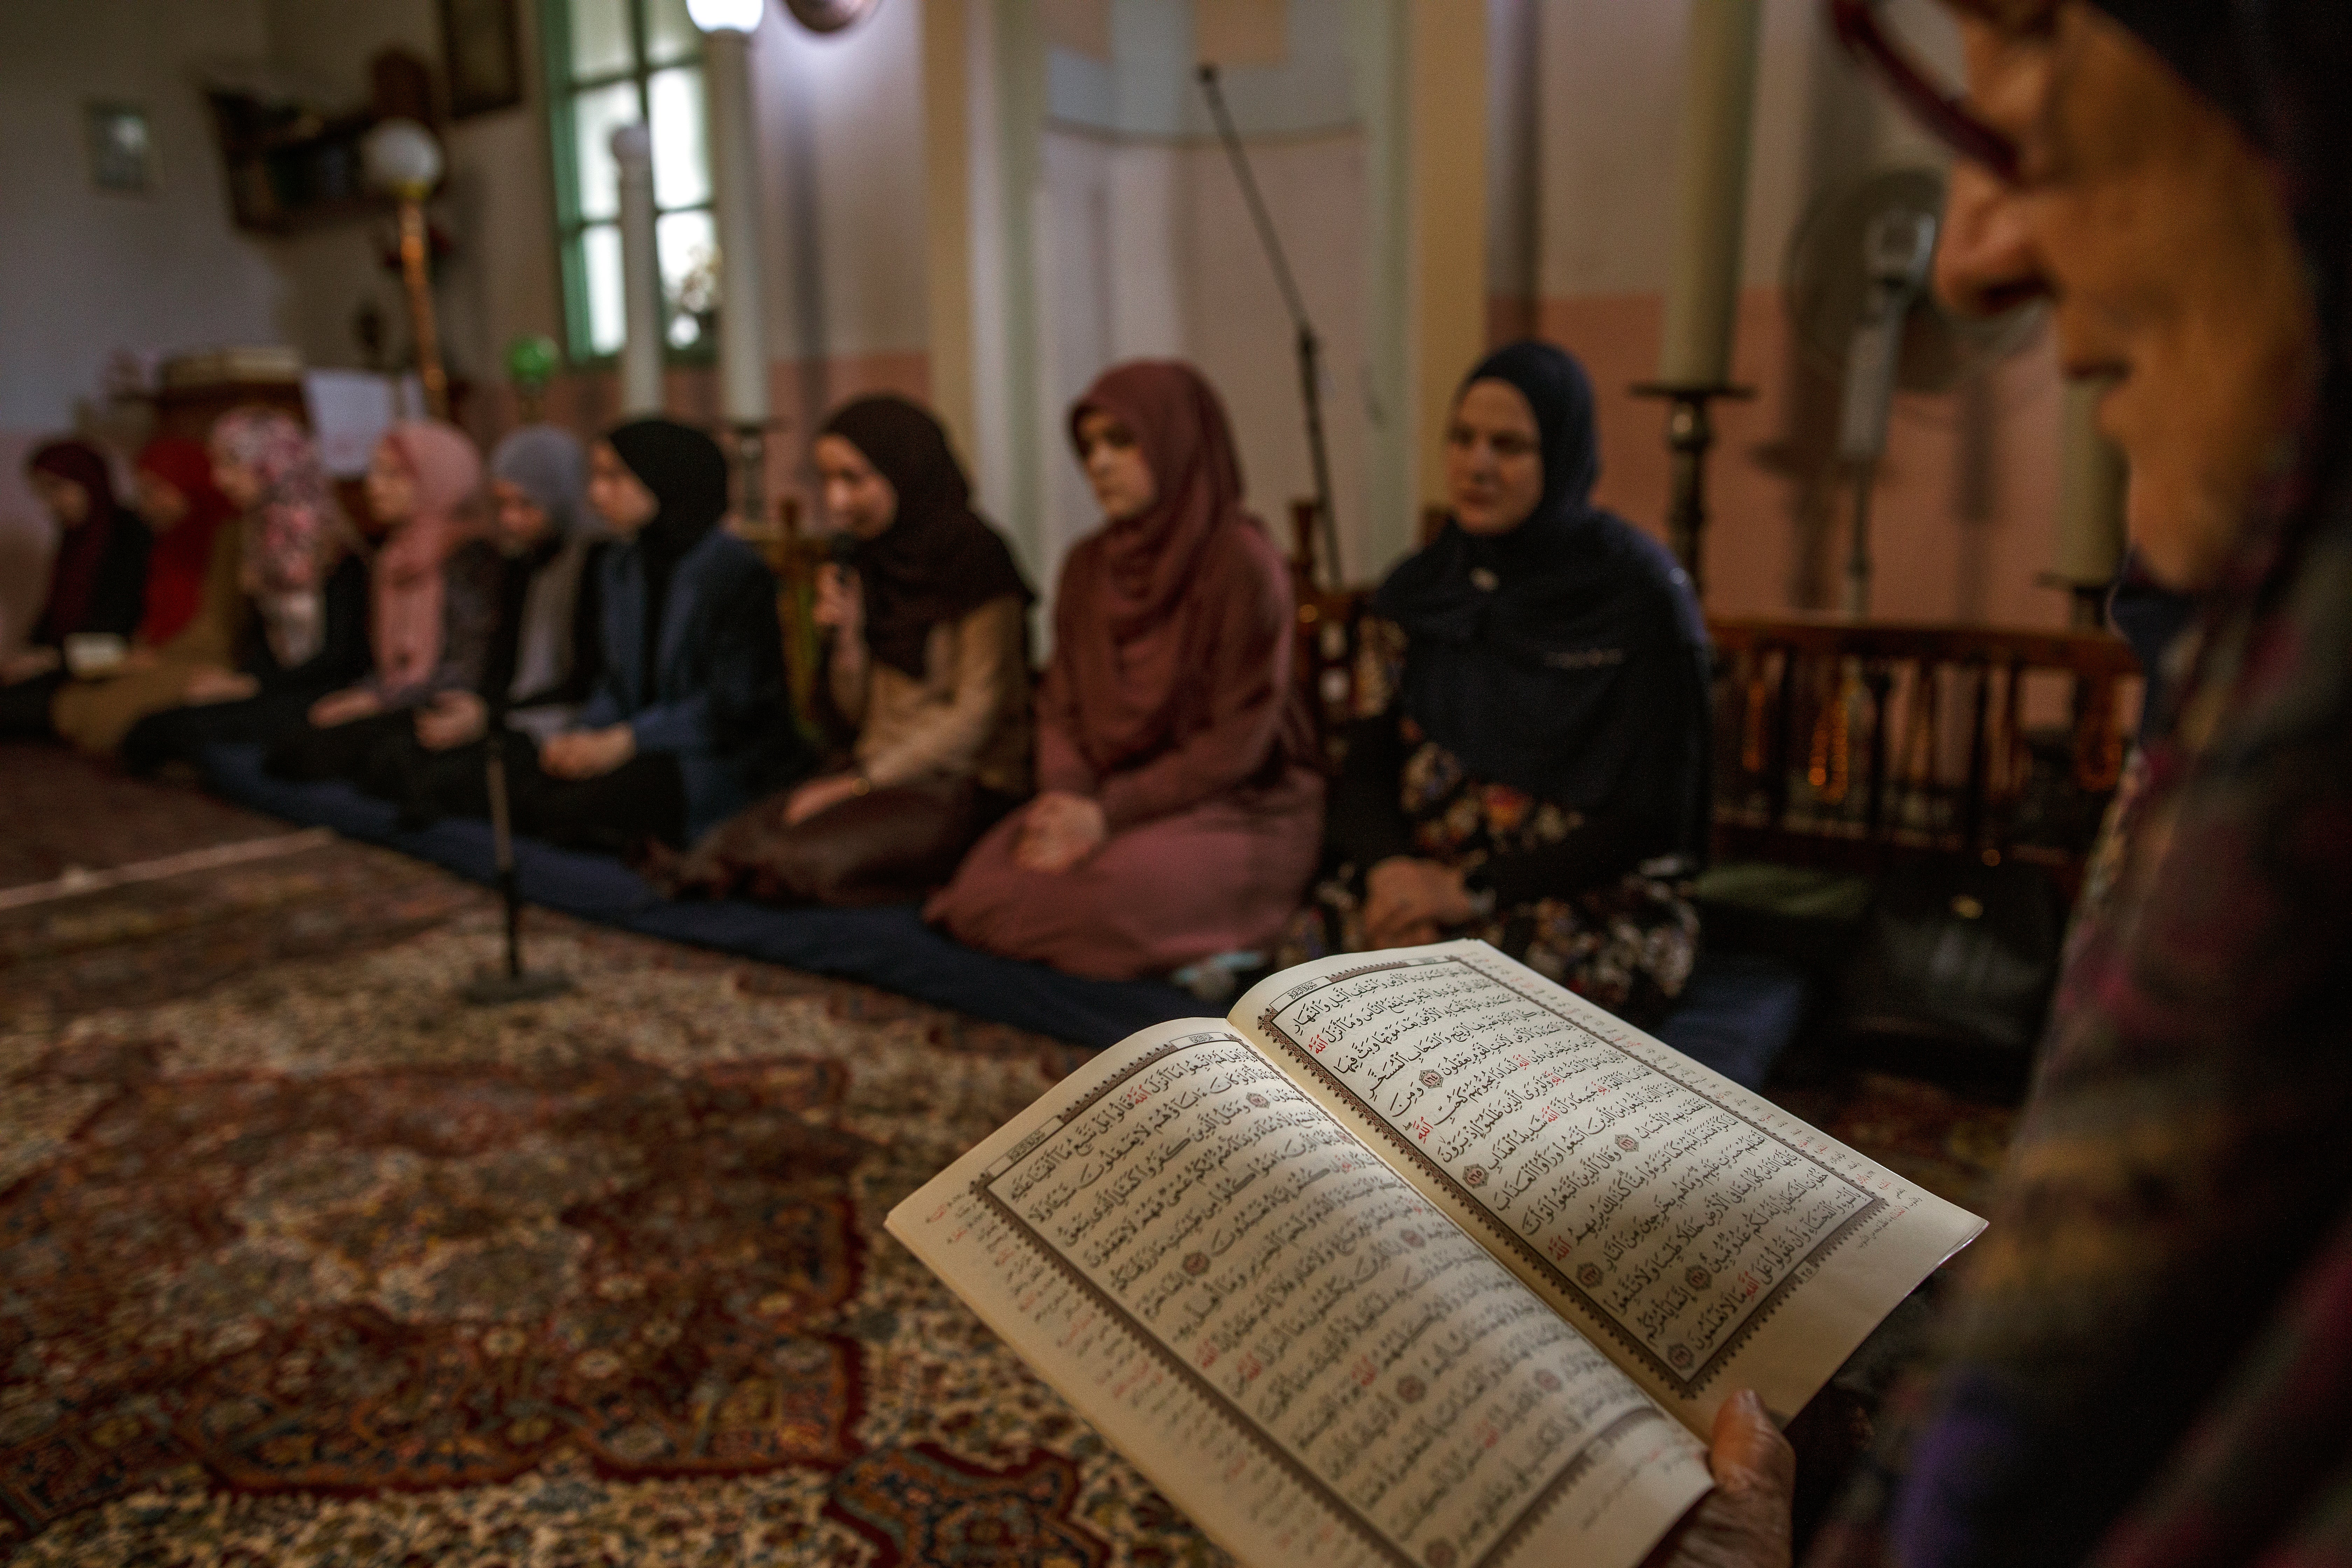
{"points": [[1745, 1521], [1421, 1260]]}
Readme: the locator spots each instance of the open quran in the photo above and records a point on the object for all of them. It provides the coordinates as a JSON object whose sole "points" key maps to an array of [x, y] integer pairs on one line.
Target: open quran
{"points": [[1417, 1259]]}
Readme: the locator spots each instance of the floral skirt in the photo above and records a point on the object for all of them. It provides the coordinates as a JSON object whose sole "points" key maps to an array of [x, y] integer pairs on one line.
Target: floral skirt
{"points": [[1626, 945]]}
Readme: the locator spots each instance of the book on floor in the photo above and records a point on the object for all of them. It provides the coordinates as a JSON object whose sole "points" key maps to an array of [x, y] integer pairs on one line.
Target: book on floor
{"points": [[1417, 1259]]}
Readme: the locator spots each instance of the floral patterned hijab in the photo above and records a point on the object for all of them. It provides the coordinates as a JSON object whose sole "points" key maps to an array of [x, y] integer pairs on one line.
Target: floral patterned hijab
{"points": [[294, 532]]}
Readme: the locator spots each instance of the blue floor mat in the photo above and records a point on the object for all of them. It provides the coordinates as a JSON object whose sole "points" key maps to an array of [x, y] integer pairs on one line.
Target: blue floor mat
{"points": [[891, 948], [1737, 1014]]}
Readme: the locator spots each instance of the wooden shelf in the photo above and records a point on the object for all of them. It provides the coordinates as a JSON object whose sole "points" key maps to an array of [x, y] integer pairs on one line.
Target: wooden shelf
{"points": [[292, 168]]}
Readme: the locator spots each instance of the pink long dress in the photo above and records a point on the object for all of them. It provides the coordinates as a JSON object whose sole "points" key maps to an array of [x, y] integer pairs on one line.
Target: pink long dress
{"points": [[1171, 701]]}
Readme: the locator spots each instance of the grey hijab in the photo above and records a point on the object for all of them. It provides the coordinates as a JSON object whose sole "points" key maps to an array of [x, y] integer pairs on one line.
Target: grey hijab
{"points": [[550, 465]]}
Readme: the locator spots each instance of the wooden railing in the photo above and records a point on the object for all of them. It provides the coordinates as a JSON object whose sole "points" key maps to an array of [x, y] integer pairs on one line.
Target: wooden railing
{"points": [[1851, 744]]}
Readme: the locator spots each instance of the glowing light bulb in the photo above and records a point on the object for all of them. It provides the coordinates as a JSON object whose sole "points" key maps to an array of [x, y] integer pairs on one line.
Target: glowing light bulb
{"points": [[402, 156], [727, 16]]}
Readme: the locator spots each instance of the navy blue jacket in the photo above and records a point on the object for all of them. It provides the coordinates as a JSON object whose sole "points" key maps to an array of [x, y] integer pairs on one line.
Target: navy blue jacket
{"points": [[716, 699]]}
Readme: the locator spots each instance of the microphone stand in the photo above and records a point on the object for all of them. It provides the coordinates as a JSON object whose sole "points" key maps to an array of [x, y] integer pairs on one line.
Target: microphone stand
{"points": [[1310, 346], [490, 989]]}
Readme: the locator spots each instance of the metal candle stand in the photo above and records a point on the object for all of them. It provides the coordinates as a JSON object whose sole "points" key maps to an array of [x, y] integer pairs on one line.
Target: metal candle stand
{"points": [[752, 459], [1690, 435]]}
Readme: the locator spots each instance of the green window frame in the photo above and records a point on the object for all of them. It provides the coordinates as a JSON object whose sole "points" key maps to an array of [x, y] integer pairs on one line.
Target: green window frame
{"points": [[607, 63]]}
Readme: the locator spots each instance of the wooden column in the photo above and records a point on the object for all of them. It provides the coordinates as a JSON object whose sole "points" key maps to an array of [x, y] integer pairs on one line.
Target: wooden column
{"points": [[1446, 70]]}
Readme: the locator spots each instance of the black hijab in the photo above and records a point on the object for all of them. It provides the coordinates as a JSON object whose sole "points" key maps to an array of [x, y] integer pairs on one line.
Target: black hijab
{"points": [[1518, 645], [938, 560], [686, 473]]}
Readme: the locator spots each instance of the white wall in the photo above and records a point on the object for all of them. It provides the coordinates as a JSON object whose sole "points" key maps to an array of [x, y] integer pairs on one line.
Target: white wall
{"points": [[1965, 509], [502, 282], [1146, 248], [1609, 105], [84, 272], [841, 156], [841, 168], [1149, 252]]}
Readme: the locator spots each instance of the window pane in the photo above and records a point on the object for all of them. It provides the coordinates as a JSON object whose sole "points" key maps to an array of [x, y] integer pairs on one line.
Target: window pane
{"points": [[600, 38], [681, 158], [690, 248], [600, 257], [670, 33], [595, 117]]}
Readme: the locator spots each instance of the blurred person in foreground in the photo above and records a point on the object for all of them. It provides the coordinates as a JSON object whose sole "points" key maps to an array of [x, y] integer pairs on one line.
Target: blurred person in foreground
{"points": [[2149, 1360]]}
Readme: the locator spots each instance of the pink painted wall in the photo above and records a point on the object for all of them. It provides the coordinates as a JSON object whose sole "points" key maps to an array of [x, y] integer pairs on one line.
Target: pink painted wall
{"points": [[1965, 517], [1965, 506]]}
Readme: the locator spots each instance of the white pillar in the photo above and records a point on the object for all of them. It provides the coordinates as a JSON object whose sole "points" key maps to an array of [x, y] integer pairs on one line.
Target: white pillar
{"points": [[735, 194], [1711, 193], [641, 286]]}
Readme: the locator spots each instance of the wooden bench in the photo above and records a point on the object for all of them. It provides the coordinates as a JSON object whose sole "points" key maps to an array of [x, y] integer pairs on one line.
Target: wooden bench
{"points": [[1857, 746]]}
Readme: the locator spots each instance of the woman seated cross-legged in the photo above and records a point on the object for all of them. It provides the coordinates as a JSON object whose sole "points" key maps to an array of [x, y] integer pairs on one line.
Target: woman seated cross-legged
{"points": [[545, 651], [432, 601], [191, 607], [1180, 813], [690, 720], [928, 662], [96, 581], [1530, 765], [283, 620]]}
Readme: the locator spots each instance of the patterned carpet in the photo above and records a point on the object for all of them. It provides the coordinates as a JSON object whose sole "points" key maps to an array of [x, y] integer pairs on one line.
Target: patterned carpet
{"points": [[303, 1260]]}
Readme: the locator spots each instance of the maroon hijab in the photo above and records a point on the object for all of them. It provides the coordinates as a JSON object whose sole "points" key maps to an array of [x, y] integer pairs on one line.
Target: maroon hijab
{"points": [[1122, 634], [73, 579], [1181, 424]]}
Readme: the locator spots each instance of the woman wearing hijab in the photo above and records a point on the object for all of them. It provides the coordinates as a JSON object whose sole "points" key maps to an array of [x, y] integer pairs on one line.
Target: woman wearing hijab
{"points": [[545, 651], [185, 511], [196, 606], [432, 600], [1180, 812], [300, 621], [97, 580], [688, 723], [187, 516], [928, 662], [2147, 1359], [1531, 765]]}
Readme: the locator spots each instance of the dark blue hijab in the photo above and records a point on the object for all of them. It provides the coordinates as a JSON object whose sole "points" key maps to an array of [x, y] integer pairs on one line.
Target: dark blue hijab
{"points": [[1519, 645]]}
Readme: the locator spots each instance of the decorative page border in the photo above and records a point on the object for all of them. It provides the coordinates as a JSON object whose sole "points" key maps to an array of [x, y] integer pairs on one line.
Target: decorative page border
{"points": [[1687, 1385], [1505, 1542]]}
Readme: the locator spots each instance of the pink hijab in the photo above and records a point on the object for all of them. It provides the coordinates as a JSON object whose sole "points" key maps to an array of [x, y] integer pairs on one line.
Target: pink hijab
{"points": [[1127, 659], [406, 586]]}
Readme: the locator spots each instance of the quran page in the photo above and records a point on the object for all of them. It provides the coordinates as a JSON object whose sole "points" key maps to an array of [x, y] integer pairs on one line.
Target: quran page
{"points": [[1704, 1238], [1298, 1349]]}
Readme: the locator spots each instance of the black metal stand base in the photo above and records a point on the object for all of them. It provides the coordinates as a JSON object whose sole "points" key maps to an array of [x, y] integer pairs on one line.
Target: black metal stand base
{"points": [[510, 981], [496, 988]]}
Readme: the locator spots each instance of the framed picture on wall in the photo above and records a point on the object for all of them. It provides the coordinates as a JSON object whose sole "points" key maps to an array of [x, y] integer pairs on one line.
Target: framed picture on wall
{"points": [[119, 152], [481, 49]]}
